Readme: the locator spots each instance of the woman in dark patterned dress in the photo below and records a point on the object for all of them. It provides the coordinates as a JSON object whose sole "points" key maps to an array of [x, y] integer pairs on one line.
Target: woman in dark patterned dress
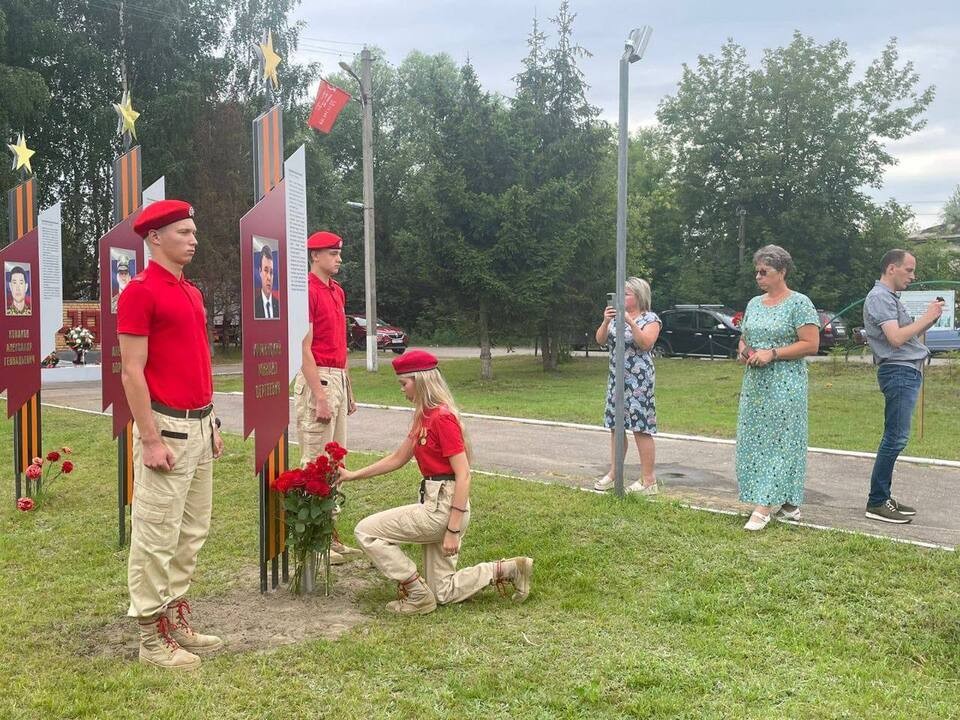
{"points": [[642, 328]]}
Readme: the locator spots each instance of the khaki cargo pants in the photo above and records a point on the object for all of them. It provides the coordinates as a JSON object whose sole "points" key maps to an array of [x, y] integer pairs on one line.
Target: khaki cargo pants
{"points": [[380, 536], [171, 514], [313, 435]]}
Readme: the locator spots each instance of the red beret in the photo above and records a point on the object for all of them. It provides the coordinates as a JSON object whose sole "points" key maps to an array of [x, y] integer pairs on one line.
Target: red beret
{"points": [[161, 213], [414, 361], [324, 240]]}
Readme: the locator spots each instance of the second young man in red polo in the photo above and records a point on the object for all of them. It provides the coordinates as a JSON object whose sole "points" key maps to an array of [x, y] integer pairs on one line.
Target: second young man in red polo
{"points": [[323, 396]]}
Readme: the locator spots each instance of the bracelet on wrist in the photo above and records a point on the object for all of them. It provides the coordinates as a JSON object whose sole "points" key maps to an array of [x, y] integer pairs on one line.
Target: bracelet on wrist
{"points": [[455, 532], [454, 507], [775, 357]]}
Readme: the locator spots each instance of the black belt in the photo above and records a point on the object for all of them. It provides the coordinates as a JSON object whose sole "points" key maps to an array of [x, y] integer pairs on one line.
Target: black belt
{"points": [[433, 478], [182, 414]]}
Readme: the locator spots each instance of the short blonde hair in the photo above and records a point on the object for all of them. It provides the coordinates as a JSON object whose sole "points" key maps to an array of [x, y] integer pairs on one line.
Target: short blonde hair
{"points": [[641, 291], [430, 390]]}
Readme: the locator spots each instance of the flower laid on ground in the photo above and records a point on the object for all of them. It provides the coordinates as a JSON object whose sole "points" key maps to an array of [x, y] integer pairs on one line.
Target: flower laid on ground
{"points": [[26, 504], [79, 338], [44, 471], [51, 360], [311, 494]]}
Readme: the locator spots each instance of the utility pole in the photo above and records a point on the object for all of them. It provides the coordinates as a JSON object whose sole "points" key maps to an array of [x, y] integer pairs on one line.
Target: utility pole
{"points": [[369, 241]]}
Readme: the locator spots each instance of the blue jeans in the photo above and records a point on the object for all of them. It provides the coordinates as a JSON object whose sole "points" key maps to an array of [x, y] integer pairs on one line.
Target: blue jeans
{"points": [[900, 386]]}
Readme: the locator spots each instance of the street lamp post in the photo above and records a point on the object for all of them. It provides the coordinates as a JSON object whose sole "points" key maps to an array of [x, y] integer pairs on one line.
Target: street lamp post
{"points": [[369, 243], [633, 49]]}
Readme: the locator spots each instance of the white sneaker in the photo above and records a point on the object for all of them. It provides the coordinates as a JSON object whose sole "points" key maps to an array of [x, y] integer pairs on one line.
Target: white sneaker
{"points": [[639, 488], [757, 521], [604, 483]]}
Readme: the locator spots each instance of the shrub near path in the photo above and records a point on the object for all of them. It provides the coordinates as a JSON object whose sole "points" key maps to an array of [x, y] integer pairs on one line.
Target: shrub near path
{"points": [[639, 609]]}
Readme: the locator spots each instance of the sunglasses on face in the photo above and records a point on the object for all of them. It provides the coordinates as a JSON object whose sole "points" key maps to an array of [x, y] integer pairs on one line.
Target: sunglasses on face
{"points": [[764, 272]]}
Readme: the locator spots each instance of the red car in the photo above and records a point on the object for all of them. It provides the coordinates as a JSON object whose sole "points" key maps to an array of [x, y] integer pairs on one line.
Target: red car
{"points": [[389, 337]]}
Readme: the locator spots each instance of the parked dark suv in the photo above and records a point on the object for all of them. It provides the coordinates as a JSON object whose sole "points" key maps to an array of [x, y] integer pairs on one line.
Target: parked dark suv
{"points": [[699, 331], [833, 330]]}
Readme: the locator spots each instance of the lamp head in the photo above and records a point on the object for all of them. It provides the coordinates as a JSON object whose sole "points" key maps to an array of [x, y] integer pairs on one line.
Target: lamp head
{"points": [[349, 70], [636, 43]]}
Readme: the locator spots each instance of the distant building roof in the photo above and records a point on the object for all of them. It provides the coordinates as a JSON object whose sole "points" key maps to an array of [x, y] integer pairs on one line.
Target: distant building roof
{"points": [[950, 233]]}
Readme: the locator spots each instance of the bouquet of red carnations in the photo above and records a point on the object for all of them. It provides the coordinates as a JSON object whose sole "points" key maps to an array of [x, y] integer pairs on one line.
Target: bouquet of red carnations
{"points": [[311, 495]]}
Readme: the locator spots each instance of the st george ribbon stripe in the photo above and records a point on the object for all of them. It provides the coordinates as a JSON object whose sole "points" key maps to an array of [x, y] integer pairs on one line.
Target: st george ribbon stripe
{"points": [[267, 174], [268, 151], [127, 199], [26, 421], [127, 185], [22, 218]]}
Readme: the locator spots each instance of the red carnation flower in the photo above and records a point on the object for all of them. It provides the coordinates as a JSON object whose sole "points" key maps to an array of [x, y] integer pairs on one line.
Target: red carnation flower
{"points": [[318, 486], [336, 451], [67, 467], [26, 504], [53, 456], [289, 479], [34, 472]]}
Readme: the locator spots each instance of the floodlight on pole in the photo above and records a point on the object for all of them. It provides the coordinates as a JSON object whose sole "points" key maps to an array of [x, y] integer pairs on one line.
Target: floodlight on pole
{"points": [[633, 49], [354, 204], [369, 247]]}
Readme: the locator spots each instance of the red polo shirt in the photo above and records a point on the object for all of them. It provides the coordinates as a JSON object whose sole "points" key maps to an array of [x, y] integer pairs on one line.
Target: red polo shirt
{"points": [[329, 323], [439, 439], [169, 311]]}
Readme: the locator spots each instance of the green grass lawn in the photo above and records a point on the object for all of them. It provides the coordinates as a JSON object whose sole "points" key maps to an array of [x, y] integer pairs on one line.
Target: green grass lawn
{"points": [[639, 609], [693, 397]]}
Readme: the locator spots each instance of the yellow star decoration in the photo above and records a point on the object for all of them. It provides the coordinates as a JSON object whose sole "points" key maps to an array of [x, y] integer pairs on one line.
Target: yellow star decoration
{"points": [[128, 116], [269, 61], [21, 154]]}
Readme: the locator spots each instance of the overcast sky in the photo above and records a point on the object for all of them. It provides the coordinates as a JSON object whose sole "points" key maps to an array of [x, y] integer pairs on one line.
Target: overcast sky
{"points": [[493, 34]]}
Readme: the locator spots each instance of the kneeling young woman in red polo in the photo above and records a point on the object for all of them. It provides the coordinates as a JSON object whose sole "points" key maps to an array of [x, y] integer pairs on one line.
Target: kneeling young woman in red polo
{"points": [[439, 521]]}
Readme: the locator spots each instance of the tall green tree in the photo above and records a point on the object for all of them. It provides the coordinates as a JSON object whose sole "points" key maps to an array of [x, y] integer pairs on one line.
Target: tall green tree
{"points": [[794, 142], [554, 208], [951, 211], [23, 93], [457, 197]]}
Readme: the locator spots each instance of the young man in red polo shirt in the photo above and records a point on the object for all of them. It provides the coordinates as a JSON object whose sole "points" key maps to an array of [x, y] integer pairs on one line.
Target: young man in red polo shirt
{"points": [[322, 394], [165, 359]]}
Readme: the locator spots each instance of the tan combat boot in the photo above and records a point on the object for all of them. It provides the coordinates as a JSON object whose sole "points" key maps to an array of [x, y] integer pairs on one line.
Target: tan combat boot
{"points": [[344, 551], [160, 650], [518, 572], [413, 598], [185, 636]]}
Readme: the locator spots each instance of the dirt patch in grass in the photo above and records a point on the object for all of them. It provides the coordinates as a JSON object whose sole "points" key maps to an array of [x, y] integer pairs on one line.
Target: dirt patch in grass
{"points": [[249, 621]]}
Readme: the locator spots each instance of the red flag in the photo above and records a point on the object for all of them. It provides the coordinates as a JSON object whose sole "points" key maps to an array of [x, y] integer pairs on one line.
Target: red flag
{"points": [[330, 101]]}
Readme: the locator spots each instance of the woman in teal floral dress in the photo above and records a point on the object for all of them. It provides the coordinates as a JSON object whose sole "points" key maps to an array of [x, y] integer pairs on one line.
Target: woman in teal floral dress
{"points": [[779, 329]]}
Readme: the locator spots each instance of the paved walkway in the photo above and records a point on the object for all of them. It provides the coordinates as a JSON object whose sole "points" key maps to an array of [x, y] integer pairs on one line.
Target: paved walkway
{"points": [[698, 472]]}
